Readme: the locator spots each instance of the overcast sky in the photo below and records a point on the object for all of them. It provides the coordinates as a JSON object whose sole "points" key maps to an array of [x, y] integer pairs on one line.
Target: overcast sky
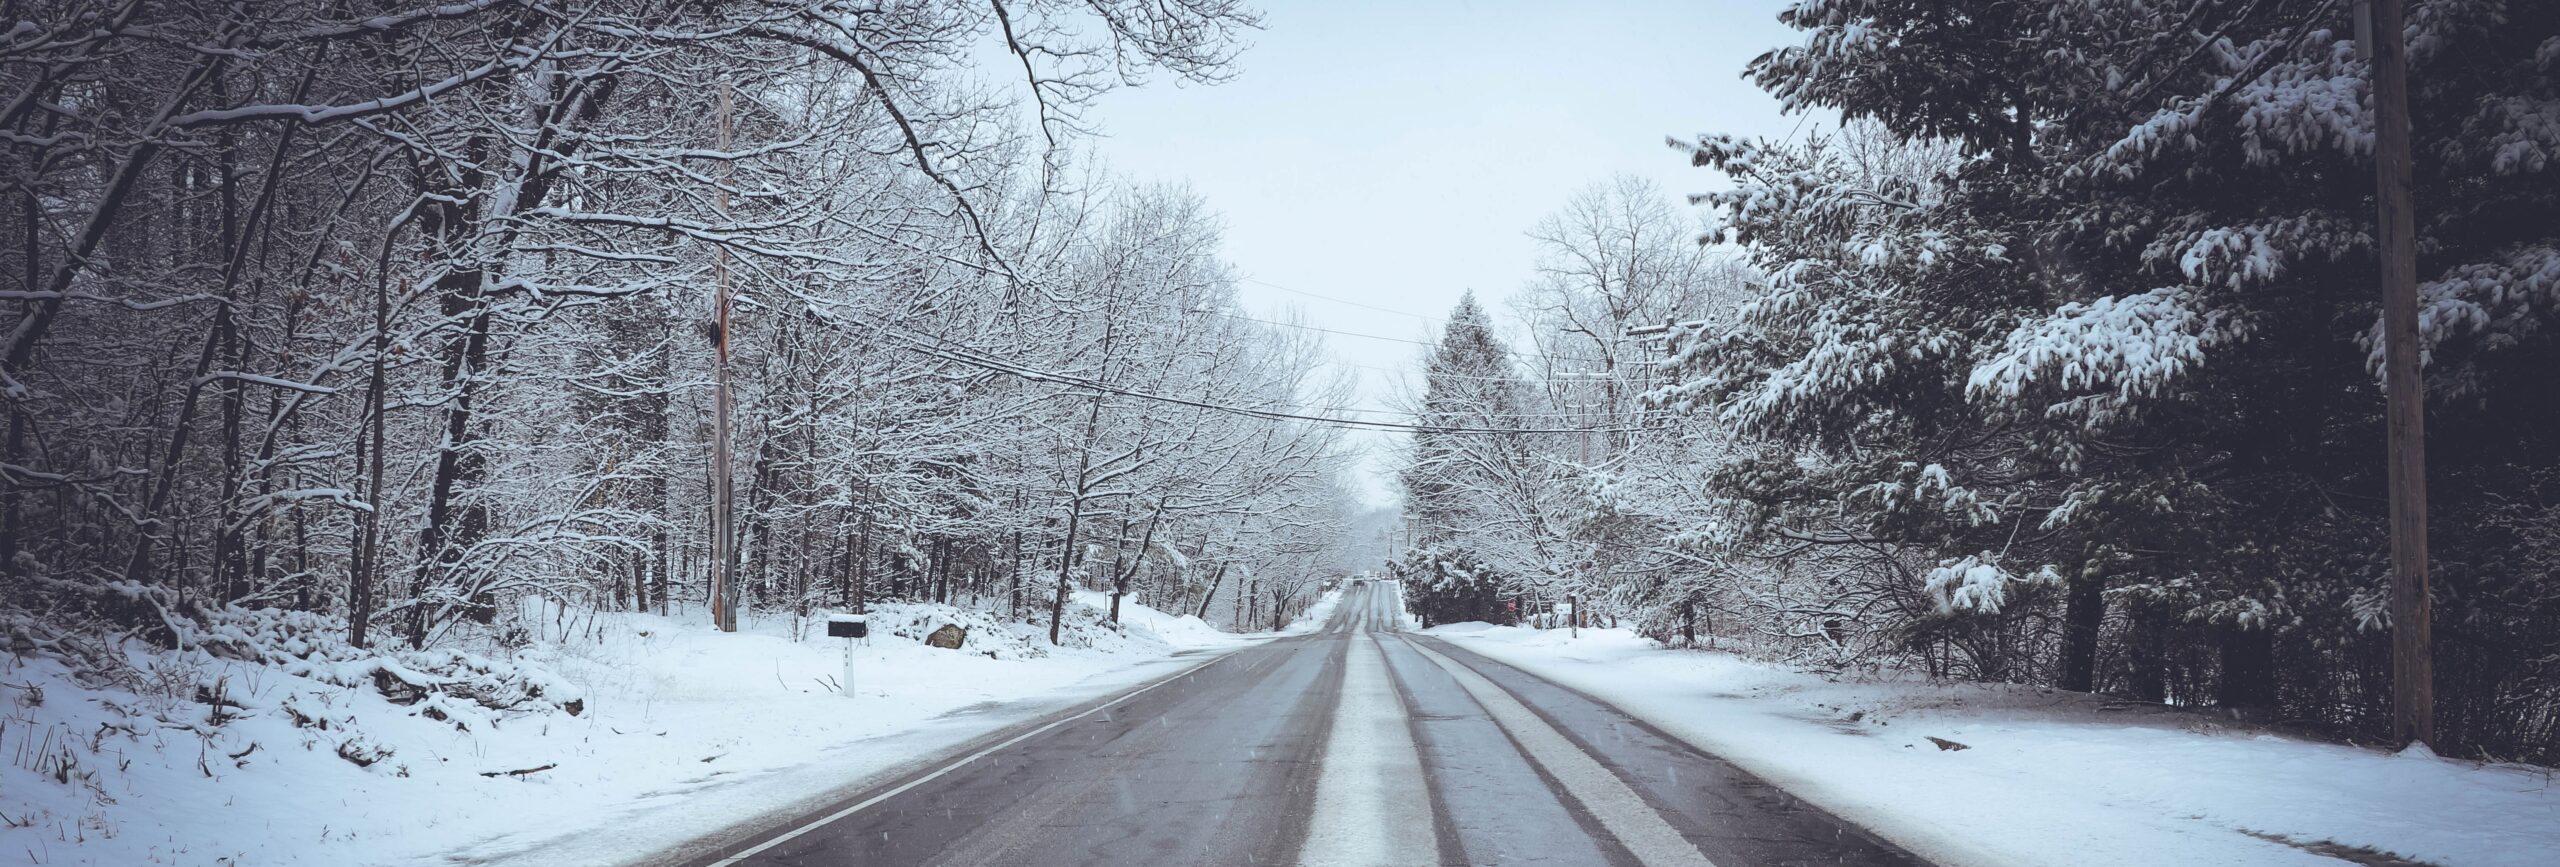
{"points": [[1394, 154]]}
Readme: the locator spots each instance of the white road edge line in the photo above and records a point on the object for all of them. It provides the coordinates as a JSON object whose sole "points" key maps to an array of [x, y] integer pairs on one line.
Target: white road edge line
{"points": [[867, 803], [1607, 798], [1370, 809]]}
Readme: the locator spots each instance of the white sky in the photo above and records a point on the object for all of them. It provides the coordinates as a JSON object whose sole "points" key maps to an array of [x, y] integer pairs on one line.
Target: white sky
{"points": [[1395, 154]]}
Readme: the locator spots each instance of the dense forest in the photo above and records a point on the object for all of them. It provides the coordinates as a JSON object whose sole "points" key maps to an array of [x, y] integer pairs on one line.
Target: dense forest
{"points": [[403, 313], [2055, 364]]}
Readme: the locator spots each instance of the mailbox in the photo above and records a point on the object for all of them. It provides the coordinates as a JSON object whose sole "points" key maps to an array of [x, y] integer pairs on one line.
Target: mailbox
{"points": [[848, 626]]}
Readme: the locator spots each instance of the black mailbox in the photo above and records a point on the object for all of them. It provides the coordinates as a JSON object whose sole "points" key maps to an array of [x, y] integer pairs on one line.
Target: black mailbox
{"points": [[848, 627]]}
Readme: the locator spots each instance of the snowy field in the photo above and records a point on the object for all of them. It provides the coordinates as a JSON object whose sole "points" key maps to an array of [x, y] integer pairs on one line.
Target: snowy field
{"points": [[655, 756], [2051, 778]]}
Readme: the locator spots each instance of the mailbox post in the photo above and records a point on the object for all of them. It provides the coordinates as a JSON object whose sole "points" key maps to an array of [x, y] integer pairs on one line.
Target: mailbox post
{"points": [[854, 629]]}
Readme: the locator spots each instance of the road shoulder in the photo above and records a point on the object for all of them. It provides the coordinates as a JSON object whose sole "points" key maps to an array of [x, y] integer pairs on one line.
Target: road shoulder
{"points": [[2036, 778], [701, 825]]}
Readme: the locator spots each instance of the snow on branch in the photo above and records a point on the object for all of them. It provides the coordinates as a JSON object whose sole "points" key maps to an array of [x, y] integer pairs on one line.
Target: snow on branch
{"points": [[2502, 301], [286, 384], [319, 114], [1979, 583], [2129, 346]]}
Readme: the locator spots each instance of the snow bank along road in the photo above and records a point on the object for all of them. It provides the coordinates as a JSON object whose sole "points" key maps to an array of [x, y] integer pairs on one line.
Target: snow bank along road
{"points": [[1357, 745]]}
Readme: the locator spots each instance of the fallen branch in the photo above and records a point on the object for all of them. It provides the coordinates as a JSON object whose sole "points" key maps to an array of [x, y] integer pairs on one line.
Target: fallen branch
{"points": [[519, 773]]}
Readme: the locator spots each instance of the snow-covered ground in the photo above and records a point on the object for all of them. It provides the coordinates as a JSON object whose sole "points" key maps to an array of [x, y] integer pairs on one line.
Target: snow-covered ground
{"points": [[2051, 778], [1316, 614], [680, 732], [1180, 631]]}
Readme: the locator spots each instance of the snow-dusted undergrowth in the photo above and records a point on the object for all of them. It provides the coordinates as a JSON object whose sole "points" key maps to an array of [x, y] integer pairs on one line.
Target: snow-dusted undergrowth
{"points": [[266, 739], [1316, 614]]}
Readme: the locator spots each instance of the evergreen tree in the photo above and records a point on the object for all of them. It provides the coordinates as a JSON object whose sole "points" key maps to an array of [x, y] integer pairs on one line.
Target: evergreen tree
{"points": [[1468, 383], [1459, 475], [2116, 353]]}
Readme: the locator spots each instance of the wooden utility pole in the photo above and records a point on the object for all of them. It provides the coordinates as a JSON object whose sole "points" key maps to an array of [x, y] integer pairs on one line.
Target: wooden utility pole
{"points": [[2412, 662], [724, 593]]}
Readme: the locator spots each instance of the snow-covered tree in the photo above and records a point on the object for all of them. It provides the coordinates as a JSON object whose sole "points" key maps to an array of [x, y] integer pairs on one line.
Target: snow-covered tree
{"points": [[403, 313], [2088, 360]]}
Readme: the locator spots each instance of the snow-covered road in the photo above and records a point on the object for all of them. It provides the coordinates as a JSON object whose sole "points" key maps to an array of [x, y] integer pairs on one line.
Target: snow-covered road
{"points": [[1360, 744]]}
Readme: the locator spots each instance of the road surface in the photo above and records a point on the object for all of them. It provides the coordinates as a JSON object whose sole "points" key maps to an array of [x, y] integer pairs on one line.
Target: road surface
{"points": [[1362, 744]]}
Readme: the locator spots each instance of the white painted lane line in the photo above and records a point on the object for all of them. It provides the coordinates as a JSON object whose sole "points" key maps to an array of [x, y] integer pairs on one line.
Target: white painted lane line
{"points": [[1606, 797], [867, 803], [1371, 809]]}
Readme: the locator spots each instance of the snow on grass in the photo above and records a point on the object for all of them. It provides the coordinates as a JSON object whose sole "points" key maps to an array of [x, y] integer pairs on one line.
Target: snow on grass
{"points": [[1316, 614], [682, 733], [2049, 777], [1412, 622], [1179, 631]]}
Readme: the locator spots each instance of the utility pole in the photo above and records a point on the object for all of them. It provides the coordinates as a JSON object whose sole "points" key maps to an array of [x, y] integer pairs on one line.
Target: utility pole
{"points": [[2412, 662], [724, 593]]}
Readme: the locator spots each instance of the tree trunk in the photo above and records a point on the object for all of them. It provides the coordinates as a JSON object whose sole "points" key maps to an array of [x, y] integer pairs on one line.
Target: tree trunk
{"points": [[2247, 688], [640, 580], [724, 590], [460, 288], [230, 544], [366, 571], [2146, 652], [1067, 555], [9, 496], [942, 585], [2084, 613], [453, 526], [1015, 606], [659, 543], [862, 570], [1120, 579], [1066, 564], [844, 569], [1214, 580]]}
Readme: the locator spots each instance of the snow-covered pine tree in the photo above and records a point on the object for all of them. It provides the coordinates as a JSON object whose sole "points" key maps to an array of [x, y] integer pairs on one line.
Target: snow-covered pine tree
{"points": [[1475, 492], [1468, 382], [2127, 336]]}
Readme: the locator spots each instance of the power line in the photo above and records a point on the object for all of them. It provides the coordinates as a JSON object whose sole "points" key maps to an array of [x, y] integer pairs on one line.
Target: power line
{"points": [[1266, 414], [1262, 282], [1594, 377], [1588, 376], [1591, 413], [997, 364], [1240, 316], [1514, 353]]}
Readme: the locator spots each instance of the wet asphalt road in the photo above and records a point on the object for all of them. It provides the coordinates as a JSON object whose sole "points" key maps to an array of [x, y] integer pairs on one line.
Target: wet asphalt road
{"points": [[1357, 745]]}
